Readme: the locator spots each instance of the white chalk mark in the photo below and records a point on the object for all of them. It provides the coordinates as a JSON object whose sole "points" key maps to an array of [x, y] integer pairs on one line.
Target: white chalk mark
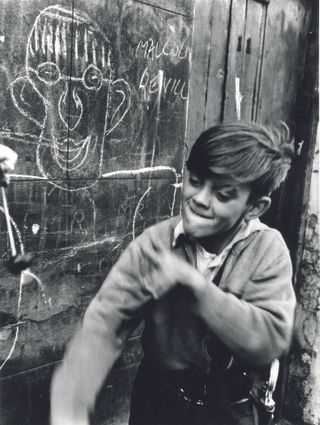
{"points": [[176, 186], [27, 177], [122, 114], [49, 42], [166, 84], [103, 59], [151, 50], [57, 46], [25, 113], [158, 115], [28, 272], [300, 146], [64, 39], [86, 45], [238, 97], [109, 59], [147, 170], [46, 12], [43, 38], [63, 101], [19, 296], [76, 45], [94, 53], [160, 83], [36, 39], [138, 208], [35, 228], [19, 136], [12, 348], [22, 280], [159, 93], [68, 252], [9, 228]]}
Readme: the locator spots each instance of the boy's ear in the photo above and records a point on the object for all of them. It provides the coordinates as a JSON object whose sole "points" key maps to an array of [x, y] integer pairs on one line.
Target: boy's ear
{"points": [[258, 207]]}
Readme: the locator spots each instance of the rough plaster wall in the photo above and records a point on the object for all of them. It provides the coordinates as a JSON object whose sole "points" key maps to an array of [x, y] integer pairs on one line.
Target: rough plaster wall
{"points": [[304, 377], [311, 274]]}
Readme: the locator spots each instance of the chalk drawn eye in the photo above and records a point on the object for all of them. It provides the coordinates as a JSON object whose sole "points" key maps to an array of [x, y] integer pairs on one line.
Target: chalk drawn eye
{"points": [[92, 78], [49, 73]]}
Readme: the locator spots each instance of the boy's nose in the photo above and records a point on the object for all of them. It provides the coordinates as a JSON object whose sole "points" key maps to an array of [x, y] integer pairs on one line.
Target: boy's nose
{"points": [[202, 198]]}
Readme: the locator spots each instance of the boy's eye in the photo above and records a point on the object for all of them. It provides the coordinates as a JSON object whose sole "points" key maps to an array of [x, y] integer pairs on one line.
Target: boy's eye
{"points": [[195, 181], [223, 197]]}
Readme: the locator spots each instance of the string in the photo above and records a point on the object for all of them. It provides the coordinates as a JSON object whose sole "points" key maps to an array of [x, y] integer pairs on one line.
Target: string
{"points": [[7, 215]]}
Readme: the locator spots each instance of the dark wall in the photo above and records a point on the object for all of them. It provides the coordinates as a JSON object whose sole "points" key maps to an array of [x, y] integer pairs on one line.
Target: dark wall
{"points": [[94, 101]]}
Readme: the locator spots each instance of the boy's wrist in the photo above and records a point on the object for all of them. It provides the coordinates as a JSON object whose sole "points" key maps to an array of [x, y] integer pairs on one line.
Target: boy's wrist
{"points": [[195, 282]]}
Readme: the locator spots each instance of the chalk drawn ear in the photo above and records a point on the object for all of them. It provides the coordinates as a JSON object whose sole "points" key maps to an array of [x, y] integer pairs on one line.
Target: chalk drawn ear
{"points": [[121, 101], [27, 100]]}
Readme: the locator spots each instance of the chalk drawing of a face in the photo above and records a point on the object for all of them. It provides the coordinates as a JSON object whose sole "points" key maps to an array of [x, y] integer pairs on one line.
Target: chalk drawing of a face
{"points": [[70, 66]]}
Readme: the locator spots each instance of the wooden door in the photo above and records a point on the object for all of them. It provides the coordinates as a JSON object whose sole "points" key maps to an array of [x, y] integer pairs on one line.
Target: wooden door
{"points": [[248, 64]]}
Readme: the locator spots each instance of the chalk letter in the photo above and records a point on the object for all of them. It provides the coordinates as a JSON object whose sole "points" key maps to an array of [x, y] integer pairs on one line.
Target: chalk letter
{"points": [[144, 82]]}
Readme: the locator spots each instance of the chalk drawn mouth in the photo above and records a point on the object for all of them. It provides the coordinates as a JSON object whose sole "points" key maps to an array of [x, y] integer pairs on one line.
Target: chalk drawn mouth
{"points": [[71, 154]]}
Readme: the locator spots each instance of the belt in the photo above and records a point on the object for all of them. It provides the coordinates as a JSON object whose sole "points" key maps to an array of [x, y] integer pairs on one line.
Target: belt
{"points": [[201, 389], [204, 400]]}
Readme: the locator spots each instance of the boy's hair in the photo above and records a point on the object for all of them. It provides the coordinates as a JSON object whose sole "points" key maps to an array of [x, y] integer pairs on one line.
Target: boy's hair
{"points": [[243, 152]]}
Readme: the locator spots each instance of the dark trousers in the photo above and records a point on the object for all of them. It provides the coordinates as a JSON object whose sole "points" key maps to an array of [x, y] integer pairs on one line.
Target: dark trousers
{"points": [[154, 403]]}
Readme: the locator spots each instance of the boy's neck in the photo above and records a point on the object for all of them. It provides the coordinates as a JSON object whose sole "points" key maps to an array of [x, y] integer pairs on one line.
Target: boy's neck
{"points": [[216, 244]]}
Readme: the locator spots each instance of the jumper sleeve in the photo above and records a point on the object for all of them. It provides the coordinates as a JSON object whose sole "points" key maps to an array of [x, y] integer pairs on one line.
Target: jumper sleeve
{"points": [[257, 325], [99, 341]]}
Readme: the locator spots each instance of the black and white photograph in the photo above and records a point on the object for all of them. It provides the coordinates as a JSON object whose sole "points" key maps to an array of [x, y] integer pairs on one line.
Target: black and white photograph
{"points": [[159, 212]]}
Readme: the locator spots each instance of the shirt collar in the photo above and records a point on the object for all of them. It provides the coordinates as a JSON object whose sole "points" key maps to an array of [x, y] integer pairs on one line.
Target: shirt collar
{"points": [[246, 228], [244, 231], [178, 233]]}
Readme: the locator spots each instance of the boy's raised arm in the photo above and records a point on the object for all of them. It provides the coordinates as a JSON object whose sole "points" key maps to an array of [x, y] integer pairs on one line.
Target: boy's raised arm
{"points": [[99, 341]]}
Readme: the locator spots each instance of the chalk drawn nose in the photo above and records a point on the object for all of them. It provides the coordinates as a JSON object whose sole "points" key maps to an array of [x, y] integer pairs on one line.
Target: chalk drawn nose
{"points": [[70, 109]]}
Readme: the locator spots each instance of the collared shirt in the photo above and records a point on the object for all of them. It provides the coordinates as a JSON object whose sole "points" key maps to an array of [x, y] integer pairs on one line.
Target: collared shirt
{"points": [[208, 263]]}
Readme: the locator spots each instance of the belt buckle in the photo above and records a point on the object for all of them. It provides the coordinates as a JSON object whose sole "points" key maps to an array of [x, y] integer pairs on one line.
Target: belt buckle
{"points": [[199, 402]]}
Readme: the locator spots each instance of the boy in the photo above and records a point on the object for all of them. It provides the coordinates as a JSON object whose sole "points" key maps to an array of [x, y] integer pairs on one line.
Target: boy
{"points": [[213, 286]]}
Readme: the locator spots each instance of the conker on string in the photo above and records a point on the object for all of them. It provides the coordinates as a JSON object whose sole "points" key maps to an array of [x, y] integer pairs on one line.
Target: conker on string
{"points": [[18, 263]]}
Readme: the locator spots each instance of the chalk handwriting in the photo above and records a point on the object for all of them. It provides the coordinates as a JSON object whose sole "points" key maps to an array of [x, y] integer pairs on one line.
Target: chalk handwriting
{"points": [[149, 85], [150, 50]]}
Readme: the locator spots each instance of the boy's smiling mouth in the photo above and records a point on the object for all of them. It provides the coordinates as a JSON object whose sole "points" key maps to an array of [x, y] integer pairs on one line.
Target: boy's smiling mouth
{"points": [[196, 212]]}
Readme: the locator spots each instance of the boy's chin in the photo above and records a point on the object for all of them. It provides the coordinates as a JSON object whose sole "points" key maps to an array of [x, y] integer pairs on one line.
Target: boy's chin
{"points": [[197, 232]]}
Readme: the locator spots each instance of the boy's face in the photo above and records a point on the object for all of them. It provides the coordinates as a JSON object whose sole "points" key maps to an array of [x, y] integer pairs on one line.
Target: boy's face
{"points": [[208, 210]]}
